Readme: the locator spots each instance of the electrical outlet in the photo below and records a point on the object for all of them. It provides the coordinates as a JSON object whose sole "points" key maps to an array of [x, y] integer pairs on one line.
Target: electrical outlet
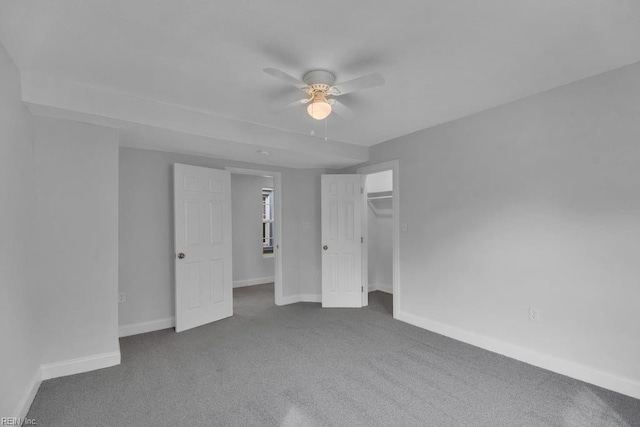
{"points": [[534, 314], [121, 297], [306, 225]]}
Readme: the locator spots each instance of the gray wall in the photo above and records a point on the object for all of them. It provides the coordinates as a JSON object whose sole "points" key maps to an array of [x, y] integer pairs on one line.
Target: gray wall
{"points": [[308, 250], [58, 251], [19, 297], [146, 230], [535, 203], [77, 180], [246, 209]]}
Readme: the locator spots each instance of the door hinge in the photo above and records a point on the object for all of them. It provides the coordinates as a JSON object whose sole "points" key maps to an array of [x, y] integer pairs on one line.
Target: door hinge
{"points": [[361, 190], [361, 239], [362, 289]]}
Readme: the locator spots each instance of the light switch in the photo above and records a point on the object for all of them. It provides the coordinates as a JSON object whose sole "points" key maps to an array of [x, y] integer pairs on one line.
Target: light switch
{"points": [[404, 227]]}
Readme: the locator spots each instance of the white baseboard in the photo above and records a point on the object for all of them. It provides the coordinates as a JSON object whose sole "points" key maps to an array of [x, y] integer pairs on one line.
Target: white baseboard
{"points": [[310, 297], [291, 299], [380, 287], [561, 366], [144, 327], [79, 365], [252, 282], [25, 403]]}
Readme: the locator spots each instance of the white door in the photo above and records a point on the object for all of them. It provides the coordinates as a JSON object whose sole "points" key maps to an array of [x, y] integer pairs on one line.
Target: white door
{"points": [[342, 240], [202, 201]]}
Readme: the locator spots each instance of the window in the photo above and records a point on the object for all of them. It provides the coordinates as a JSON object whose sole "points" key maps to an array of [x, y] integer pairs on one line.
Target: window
{"points": [[267, 221]]}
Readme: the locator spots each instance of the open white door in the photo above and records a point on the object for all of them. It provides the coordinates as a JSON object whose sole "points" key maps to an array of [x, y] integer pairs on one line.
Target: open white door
{"points": [[341, 240], [202, 201]]}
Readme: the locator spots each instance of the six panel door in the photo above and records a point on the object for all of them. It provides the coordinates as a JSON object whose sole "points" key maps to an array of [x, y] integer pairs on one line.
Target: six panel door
{"points": [[341, 240], [202, 200]]}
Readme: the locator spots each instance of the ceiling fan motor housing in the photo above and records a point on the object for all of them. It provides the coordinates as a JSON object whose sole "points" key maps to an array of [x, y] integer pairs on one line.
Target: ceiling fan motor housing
{"points": [[319, 79]]}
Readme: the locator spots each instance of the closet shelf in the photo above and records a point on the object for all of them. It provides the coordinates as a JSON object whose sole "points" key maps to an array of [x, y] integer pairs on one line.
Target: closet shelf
{"points": [[380, 195], [381, 203]]}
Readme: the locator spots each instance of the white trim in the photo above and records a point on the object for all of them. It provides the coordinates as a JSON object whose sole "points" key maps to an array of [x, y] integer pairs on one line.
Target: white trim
{"points": [[79, 365], [394, 165], [310, 297], [383, 287], [253, 282], [561, 366], [144, 327], [22, 409], [291, 299], [364, 231], [278, 250]]}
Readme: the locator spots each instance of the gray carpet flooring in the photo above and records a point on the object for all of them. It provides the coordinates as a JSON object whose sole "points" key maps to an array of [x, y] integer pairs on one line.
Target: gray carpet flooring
{"points": [[302, 365]]}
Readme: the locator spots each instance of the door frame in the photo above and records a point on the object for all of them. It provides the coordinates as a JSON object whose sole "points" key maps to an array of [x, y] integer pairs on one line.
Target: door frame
{"points": [[279, 247], [393, 165]]}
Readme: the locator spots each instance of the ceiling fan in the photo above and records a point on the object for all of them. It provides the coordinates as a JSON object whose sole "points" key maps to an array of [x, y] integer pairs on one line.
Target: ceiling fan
{"points": [[322, 92]]}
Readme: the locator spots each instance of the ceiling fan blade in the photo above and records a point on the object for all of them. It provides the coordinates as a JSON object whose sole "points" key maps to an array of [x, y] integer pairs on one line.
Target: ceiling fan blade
{"points": [[361, 83], [341, 110], [286, 78], [282, 106]]}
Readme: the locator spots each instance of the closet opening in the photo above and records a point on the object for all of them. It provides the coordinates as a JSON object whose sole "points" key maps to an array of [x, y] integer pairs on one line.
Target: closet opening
{"points": [[379, 220]]}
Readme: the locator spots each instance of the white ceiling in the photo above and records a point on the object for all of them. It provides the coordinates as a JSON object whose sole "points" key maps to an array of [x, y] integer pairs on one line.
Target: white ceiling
{"points": [[442, 59]]}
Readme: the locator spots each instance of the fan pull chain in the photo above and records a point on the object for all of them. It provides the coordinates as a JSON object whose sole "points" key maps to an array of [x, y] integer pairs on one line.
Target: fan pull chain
{"points": [[326, 129]]}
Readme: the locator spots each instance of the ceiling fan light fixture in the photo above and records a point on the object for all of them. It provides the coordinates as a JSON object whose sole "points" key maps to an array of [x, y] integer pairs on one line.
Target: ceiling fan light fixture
{"points": [[319, 108], [317, 85]]}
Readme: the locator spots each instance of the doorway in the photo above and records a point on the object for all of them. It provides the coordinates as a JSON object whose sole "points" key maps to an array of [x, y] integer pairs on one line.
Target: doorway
{"points": [[257, 225], [381, 230], [379, 223]]}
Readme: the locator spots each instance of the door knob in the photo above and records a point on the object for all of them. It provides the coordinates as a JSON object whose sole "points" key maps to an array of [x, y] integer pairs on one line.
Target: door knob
{"points": [[325, 247], [181, 255]]}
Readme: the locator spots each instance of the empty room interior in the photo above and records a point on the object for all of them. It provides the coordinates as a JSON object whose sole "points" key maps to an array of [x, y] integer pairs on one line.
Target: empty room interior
{"points": [[332, 213]]}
